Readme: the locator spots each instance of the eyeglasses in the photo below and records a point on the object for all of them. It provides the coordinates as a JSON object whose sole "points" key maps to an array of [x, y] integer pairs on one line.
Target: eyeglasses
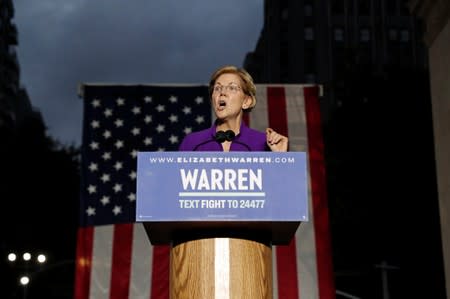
{"points": [[228, 88]]}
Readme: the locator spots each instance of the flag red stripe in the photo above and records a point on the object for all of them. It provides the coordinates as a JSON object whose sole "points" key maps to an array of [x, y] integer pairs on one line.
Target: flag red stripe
{"points": [[121, 261], [276, 109], [286, 255], [160, 272], [85, 241], [318, 189]]}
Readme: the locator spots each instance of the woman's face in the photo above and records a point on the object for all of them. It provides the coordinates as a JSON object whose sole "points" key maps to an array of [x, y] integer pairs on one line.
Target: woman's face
{"points": [[228, 98]]}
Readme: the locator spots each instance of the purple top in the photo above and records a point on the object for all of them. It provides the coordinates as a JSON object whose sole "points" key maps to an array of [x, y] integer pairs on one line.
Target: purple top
{"points": [[247, 140]]}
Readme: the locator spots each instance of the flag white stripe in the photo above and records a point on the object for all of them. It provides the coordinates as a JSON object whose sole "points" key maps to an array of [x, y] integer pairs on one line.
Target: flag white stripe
{"points": [[101, 262], [306, 261], [141, 264], [259, 119], [274, 273], [305, 235], [296, 119]]}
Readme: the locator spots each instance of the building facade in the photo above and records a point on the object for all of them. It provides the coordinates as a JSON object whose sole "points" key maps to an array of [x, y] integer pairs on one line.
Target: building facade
{"points": [[15, 105], [436, 15], [314, 41], [372, 62]]}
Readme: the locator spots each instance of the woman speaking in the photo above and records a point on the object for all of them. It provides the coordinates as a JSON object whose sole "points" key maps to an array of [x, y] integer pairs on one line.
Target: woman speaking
{"points": [[233, 93]]}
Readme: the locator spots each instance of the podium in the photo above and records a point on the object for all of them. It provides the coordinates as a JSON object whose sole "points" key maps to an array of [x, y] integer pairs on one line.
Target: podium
{"points": [[221, 213]]}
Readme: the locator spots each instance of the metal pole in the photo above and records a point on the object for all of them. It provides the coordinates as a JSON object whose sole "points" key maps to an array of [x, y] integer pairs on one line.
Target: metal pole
{"points": [[384, 277]]}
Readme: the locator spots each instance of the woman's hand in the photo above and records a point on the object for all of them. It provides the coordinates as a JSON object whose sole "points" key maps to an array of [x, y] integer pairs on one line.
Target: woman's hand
{"points": [[276, 142]]}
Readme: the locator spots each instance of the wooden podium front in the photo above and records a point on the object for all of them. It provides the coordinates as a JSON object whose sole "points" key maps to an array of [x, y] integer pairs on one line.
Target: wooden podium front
{"points": [[231, 259], [220, 268], [223, 252]]}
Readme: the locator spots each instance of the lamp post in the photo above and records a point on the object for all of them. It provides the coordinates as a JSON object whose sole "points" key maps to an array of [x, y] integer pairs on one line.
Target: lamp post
{"points": [[384, 266]]}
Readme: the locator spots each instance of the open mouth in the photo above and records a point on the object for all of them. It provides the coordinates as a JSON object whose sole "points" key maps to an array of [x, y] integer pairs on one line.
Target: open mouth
{"points": [[221, 104]]}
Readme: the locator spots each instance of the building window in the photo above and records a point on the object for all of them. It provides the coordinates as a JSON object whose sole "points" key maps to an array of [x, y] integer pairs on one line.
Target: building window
{"points": [[404, 35], [365, 55], [364, 7], [309, 33], [391, 7], [392, 33], [338, 34], [310, 78], [404, 8], [364, 35], [284, 14], [337, 7], [308, 10], [284, 61]]}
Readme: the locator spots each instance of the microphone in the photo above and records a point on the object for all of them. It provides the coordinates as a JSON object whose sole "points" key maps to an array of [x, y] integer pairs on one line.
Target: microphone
{"points": [[221, 137], [229, 135]]}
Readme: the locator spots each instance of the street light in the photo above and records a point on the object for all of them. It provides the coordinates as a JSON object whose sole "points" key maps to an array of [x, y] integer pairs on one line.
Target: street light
{"points": [[26, 256], [30, 263], [24, 280], [41, 258], [12, 257]]}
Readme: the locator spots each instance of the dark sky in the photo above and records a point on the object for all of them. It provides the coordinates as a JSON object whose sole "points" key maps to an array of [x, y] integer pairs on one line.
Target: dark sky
{"points": [[63, 43]]}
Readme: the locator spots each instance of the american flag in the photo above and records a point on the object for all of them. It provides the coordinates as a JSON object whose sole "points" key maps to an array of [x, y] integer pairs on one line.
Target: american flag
{"points": [[114, 256]]}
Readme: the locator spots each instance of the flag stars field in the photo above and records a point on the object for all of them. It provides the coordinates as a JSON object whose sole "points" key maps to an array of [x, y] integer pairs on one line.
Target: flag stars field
{"points": [[95, 124], [94, 145], [117, 188], [104, 200], [132, 197], [106, 134], [160, 128], [136, 110], [120, 102], [106, 156], [136, 131], [148, 119], [119, 144], [199, 100], [118, 123], [93, 167], [148, 141], [108, 112], [90, 211], [95, 103], [105, 178], [92, 189], [160, 108], [117, 210], [187, 110], [200, 119], [187, 130], [173, 139], [118, 166], [173, 118]]}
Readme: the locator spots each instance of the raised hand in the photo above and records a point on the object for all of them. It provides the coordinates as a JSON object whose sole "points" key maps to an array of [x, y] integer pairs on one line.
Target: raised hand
{"points": [[276, 141]]}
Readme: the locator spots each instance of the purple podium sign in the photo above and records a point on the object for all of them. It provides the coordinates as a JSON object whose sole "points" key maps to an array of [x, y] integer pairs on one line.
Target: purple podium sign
{"points": [[179, 187]]}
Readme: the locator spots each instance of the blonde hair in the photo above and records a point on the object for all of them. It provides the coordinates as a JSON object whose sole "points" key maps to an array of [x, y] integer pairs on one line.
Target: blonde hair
{"points": [[248, 87]]}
